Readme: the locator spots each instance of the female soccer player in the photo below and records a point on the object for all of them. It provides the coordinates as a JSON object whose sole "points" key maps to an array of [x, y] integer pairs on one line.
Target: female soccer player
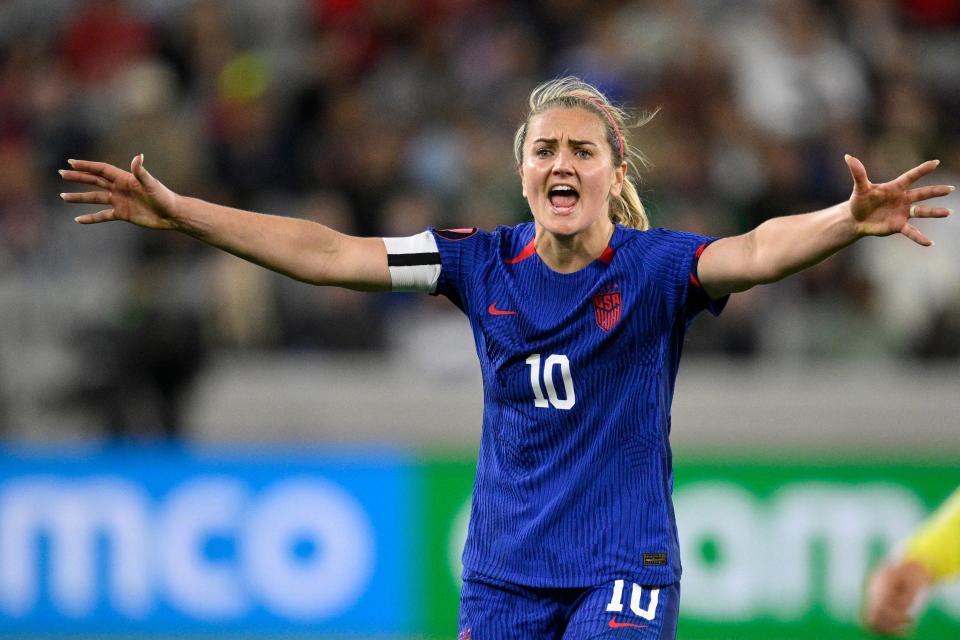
{"points": [[579, 319]]}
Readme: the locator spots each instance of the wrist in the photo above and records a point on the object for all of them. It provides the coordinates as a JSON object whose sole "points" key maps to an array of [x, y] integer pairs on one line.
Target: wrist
{"points": [[851, 227], [916, 573], [178, 214]]}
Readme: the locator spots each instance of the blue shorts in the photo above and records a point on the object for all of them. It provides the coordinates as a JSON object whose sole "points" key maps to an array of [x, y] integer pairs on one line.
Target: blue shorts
{"points": [[495, 610]]}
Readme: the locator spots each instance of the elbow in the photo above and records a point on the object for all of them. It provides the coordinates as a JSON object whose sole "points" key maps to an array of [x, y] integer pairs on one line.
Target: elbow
{"points": [[739, 263]]}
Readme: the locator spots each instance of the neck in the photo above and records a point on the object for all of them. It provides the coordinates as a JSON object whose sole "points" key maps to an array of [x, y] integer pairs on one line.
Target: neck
{"points": [[566, 254]]}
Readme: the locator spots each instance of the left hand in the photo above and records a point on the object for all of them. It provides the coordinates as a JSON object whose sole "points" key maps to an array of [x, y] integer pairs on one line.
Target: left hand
{"points": [[885, 209], [891, 595]]}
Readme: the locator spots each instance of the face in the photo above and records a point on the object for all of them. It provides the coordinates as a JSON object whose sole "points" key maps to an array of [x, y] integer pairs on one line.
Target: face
{"points": [[567, 172]]}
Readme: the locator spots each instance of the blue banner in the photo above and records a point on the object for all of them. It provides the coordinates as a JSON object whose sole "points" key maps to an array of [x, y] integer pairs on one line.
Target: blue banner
{"points": [[171, 540]]}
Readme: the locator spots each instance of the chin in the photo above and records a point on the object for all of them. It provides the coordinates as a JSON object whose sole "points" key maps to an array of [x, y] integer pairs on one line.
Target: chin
{"points": [[563, 225], [564, 231], [560, 228]]}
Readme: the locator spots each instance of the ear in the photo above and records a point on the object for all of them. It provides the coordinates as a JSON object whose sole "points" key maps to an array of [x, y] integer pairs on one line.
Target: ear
{"points": [[523, 186], [619, 175]]}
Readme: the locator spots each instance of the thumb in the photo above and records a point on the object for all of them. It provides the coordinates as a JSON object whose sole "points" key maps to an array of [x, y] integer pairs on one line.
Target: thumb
{"points": [[139, 172], [858, 172]]}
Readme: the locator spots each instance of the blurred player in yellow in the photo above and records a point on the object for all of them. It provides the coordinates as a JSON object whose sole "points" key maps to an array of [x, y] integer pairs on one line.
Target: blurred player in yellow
{"points": [[931, 556]]}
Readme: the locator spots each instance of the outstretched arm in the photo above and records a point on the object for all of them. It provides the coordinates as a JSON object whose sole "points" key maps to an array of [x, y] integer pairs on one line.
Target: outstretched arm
{"points": [[298, 248], [782, 246]]}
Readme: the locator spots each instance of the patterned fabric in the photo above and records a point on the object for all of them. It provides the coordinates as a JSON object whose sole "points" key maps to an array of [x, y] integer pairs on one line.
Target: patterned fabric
{"points": [[574, 474], [492, 610]]}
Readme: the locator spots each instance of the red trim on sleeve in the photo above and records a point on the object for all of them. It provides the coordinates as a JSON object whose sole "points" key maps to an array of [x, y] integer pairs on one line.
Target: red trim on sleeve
{"points": [[696, 263], [528, 251]]}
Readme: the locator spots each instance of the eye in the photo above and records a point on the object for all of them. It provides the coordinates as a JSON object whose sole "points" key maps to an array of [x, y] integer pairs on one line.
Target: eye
{"points": [[584, 154], [542, 152]]}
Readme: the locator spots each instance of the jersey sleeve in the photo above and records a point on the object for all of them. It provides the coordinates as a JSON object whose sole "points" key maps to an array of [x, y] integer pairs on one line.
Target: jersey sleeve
{"points": [[438, 262], [936, 544], [675, 259]]}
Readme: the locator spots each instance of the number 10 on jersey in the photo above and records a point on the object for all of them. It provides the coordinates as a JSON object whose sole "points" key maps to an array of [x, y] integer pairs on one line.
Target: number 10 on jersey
{"points": [[552, 362]]}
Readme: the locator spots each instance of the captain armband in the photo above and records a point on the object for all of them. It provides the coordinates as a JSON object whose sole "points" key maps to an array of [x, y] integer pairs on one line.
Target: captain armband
{"points": [[414, 262]]}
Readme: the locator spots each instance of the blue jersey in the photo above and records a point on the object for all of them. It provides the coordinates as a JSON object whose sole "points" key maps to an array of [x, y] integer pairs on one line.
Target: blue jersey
{"points": [[574, 476]]}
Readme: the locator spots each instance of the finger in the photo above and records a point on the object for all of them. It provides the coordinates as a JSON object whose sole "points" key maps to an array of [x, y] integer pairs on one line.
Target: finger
{"points": [[859, 173], [87, 197], [893, 627], [900, 624], [908, 178], [891, 621], [102, 169], [914, 234], [105, 215], [85, 178], [885, 624], [139, 171], [925, 193], [925, 211]]}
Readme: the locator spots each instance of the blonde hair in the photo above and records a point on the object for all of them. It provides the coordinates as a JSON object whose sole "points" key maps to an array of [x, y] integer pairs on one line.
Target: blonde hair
{"points": [[572, 92]]}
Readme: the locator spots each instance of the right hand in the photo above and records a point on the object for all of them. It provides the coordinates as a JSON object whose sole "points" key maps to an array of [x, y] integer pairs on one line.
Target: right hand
{"points": [[134, 196], [891, 595]]}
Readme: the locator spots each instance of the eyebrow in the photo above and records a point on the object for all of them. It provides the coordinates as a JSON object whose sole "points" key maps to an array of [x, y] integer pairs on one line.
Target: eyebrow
{"points": [[575, 143]]}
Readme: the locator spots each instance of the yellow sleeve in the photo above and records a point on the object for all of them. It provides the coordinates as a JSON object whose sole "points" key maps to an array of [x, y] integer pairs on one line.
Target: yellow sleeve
{"points": [[936, 544]]}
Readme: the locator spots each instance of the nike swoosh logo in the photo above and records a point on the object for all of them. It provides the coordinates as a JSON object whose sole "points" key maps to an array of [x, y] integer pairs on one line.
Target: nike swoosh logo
{"points": [[492, 309], [619, 625]]}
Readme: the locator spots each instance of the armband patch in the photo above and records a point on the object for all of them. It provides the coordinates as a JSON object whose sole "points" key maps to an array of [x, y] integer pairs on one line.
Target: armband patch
{"points": [[414, 262], [456, 234]]}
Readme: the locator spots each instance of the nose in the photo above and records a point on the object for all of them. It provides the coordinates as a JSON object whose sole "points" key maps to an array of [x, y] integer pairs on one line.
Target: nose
{"points": [[562, 163]]}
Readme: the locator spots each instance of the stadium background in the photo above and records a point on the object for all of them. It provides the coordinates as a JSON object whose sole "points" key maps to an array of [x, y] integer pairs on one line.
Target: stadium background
{"points": [[187, 437]]}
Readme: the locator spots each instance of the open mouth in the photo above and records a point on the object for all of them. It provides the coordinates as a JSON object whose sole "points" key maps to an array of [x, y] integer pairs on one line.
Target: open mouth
{"points": [[563, 198]]}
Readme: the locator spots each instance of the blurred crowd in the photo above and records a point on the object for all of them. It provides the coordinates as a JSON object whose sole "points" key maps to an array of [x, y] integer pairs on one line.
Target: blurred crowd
{"points": [[381, 117]]}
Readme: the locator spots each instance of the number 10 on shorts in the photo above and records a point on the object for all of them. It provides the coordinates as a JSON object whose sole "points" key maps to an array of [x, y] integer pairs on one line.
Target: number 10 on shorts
{"points": [[616, 602], [552, 361]]}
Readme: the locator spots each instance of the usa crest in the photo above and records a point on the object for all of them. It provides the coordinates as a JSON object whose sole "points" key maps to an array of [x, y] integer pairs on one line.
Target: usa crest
{"points": [[606, 307]]}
